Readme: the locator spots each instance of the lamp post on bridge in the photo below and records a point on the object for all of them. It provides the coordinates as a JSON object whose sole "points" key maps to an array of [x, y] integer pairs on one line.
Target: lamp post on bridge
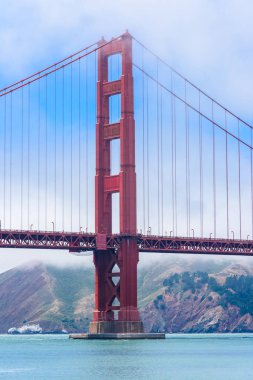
{"points": [[192, 232], [53, 225], [31, 226], [171, 233]]}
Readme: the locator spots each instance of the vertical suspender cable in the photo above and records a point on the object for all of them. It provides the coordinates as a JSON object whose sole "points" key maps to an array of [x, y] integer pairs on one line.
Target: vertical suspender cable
{"points": [[39, 132], [161, 118], [5, 121], [71, 147], [46, 160], [143, 145], [11, 163], [158, 145], [189, 172], [63, 148], [147, 118], [239, 181], [87, 145], [22, 153], [79, 145], [227, 175], [175, 162], [200, 168], [186, 161], [172, 155], [214, 177], [28, 156], [251, 174], [55, 150]]}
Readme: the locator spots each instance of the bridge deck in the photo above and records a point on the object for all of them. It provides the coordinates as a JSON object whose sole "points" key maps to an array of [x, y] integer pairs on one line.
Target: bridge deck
{"points": [[77, 242]]}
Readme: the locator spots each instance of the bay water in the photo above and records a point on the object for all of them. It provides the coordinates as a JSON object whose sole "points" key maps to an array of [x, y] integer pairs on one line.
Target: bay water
{"points": [[178, 357]]}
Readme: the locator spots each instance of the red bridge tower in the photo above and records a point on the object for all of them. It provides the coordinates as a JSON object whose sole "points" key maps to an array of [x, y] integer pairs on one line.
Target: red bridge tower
{"points": [[115, 270]]}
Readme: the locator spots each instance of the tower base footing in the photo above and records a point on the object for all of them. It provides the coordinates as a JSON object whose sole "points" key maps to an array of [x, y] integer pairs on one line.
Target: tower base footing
{"points": [[116, 327]]}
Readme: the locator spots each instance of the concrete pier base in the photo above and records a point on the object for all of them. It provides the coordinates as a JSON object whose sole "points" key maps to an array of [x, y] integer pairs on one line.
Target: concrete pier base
{"points": [[116, 327], [118, 336], [117, 330]]}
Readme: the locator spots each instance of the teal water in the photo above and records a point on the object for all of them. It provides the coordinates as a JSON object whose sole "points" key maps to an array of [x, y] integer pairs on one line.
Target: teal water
{"points": [[179, 357]]}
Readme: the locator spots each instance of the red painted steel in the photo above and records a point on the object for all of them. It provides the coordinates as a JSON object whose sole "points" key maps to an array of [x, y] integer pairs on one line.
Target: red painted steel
{"points": [[195, 245], [48, 240], [78, 242], [111, 184], [126, 257], [112, 131]]}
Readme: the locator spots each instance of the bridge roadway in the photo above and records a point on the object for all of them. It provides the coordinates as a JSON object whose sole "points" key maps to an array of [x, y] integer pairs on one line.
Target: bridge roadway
{"points": [[77, 242]]}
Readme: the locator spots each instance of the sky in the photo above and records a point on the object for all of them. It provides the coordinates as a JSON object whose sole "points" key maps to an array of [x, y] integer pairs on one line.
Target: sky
{"points": [[208, 41]]}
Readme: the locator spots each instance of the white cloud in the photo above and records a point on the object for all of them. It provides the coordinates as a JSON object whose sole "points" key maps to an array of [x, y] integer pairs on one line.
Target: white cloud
{"points": [[208, 41], [11, 258]]}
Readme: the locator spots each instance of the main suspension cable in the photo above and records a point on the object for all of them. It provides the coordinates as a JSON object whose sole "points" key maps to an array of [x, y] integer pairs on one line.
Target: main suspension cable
{"points": [[190, 83], [22, 81], [193, 108]]}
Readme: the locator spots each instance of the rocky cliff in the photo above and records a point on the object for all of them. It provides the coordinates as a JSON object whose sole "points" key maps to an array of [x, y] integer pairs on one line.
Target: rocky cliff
{"points": [[174, 297], [201, 302]]}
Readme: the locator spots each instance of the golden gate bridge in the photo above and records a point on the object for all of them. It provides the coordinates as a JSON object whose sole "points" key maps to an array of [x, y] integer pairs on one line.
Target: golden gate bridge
{"points": [[193, 192]]}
